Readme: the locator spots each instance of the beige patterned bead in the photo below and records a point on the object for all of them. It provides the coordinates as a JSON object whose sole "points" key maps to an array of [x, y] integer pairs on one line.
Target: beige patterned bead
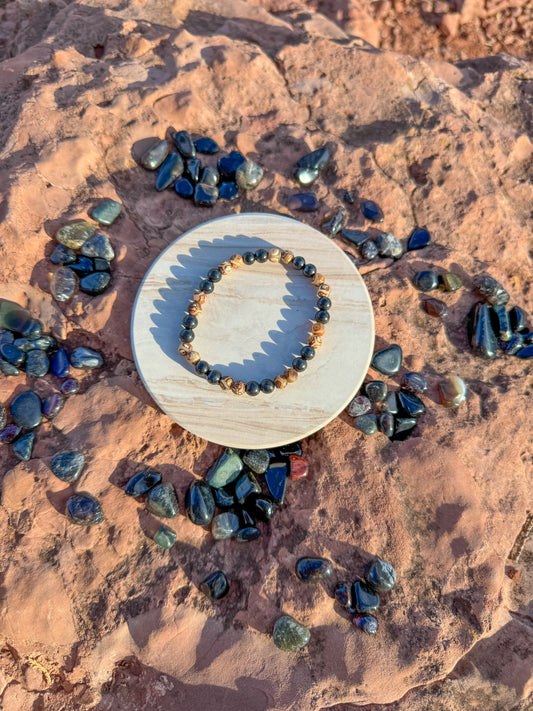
{"points": [[193, 357], [236, 261], [314, 341], [290, 375], [224, 267], [199, 297], [225, 383], [287, 256], [274, 254], [194, 309], [238, 387], [280, 382], [324, 290], [318, 279], [318, 329], [184, 349]]}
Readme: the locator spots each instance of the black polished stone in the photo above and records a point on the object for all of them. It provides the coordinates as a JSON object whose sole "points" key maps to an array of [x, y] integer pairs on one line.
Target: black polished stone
{"points": [[141, 483], [418, 238], [391, 403], [309, 271], [357, 237], [155, 155], [260, 506], [206, 286], [192, 170], [202, 368], [322, 316], [171, 169], [162, 501], [186, 335], [84, 509], [214, 377], [82, 266], [246, 518], [299, 364], [206, 145], [37, 363], [349, 197], [380, 576], [482, 337], [227, 166], [223, 498], [368, 424], [184, 144], [26, 410], [248, 258], [376, 391], [501, 322], [313, 570], [215, 586], [414, 382], [526, 352], [214, 275], [410, 405], [343, 595], [303, 202], [63, 255], [12, 354], [287, 449], [425, 281], [386, 424], [267, 386], [261, 256], [316, 160], [515, 344], [307, 353], [518, 318], [67, 466], [298, 263], [228, 190], [388, 361], [245, 485], [403, 427], [199, 503], [364, 598], [205, 195], [371, 211], [491, 290], [245, 535], [189, 322], [95, 283], [101, 264], [253, 388], [323, 303], [276, 480], [336, 222], [184, 188], [210, 176], [22, 448]]}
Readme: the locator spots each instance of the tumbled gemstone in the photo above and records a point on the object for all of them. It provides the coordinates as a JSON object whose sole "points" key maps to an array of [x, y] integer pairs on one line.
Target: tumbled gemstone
{"points": [[389, 246], [403, 427], [418, 238], [199, 503], [391, 403], [70, 386], [8, 368], [141, 483], [192, 169], [349, 197], [492, 290], [514, 344], [223, 499], [37, 363], [206, 145], [12, 354], [316, 160], [227, 165], [452, 391], [260, 506], [101, 265], [246, 518], [6, 337], [225, 470], [376, 391], [60, 364], [248, 175], [526, 352], [210, 176], [517, 318], [410, 405], [107, 212], [82, 266], [63, 284], [22, 344], [356, 237], [528, 337], [343, 595], [386, 424], [43, 343], [367, 424], [312, 570], [360, 405], [205, 195], [364, 599], [369, 250], [414, 382], [162, 501], [388, 361], [367, 623], [501, 322], [184, 144], [276, 480], [15, 318], [228, 191], [450, 282], [26, 410], [435, 307], [165, 537], [334, 221], [184, 188], [98, 246], [52, 405], [305, 176], [381, 576], [287, 449], [257, 460], [482, 337], [23, 446], [372, 211], [9, 434], [298, 467], [155, 155], [171, 169], [63, 255], [289, 635], [225, 525], [244, 535], [75, 234], [425, 280], [67, 466], [85, 358], [304, 202], [84, 510], [95, 283], [215, 586]]}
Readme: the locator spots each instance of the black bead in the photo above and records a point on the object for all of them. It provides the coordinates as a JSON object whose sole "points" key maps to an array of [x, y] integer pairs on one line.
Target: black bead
{"points": [[267, 386], [187, 335], [214, 275], [322, 316], [261, 256], [190, 321], [309, 270], [253, 388], [299, 364], [307, 352], [202, 368], [206, 286], [248, 257], [324, 304], [298, 262], [214, 377]]}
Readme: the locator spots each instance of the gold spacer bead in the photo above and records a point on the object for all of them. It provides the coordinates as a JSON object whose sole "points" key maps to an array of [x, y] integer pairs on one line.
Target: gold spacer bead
{"points": [[193, 357], [238, 387], [324, 290], [318, 279], [314, 341], [226, 383], [199, 297], [184, 349], [280, 382], [194, 309], [224, 267], [287, 256], [274, 254], [290, 375], [318, 329], [236, 261]]}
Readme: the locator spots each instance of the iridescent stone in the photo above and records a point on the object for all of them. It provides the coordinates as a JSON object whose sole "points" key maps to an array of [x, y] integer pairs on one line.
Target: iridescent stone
{"points": [[247, 534], [225, 525], [70, 386], [372, 211], [360, 405], [367, 623], [26, 410], [435, 307], [162, 501], [391, 403], [526, 352], [304, 202], [85, 358], [261, 507], [37, 363], [501, 322], [414, 382], [82, 266], [227, 165], [257, 460], [67, 466], [389, 246], [343, 595], [199, 503], [210, 176], [12, 354], [388, 361], [206, 145], [276, 480], [364, 598], [368, 424], [518, 318], [356, 237], [225, 470], [410, 405], [491, 290], [60, 364], [305, 176], [312, 570], [248, 175], [9, 434], [215, 586], [76, 234], [98, 246], [316, 160], [23, 446], [171, 169], [15, 318], [228, 191], [298, 467], [63, 284], [155, 155], [334, 221], [482, 337], [107, 212], [425, 280], [95, 283], [376, 391], [205, 195], [452, 391], [184, 144], [52, 405], [418, 238], [165, 537], [386, 424], [63, 255], [84, 510], [8, 368], [450, 282], [381, 576], [514, 344], [184, 188], [369, 250], [141, 483], [289, 635]]}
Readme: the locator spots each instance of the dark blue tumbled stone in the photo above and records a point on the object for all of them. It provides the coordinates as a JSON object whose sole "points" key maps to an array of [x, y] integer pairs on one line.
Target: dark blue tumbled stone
{"points": [[63, 255], [276, 480], [26, 410], [316, 160], [517, 318], [376, 391], [343, 595], [260, 506], [44, 343], [501, 322], [37, 363], [403, 428], [414, 382], [528, 337], [312, 570], [206, 145], [184, 144], [526, 352], [70, 386], [223, 499], [171, 169], [364, 598], [23, 446], [199, 503], [215, 586], [391, 403], [85, 358], [513, 345], [227, 165], [95, 283], [184, 188], [418, 238], [205, 195], [84, 510], [67, 466], [228, 191], [367, 623], [246, 518], [141, 483], [303, 202], [288, 449], [368, 424], [52, 405], [357, 237], [410, 405], [8, 368], [162, 501], [6, 337], [60, 364], [372, 211], [380, 576], [82, 266], [245, 535], [245, 485], [482, 337], [192, 169], [388, 361], [386, 424], [101, 264], [425, 281], [12, 354], [9, 434]]}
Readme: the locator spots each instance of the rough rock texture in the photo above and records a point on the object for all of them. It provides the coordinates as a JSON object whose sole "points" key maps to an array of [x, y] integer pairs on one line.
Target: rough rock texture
{"points": [[103, 619]]}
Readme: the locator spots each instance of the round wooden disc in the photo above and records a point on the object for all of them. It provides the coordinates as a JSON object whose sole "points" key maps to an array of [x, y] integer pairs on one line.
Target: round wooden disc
{"points": [[251, 327]]}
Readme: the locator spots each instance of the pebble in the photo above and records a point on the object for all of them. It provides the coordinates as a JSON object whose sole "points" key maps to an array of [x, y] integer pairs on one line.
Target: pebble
{"points": [[425, 280], [26, 410], [225, 525], [334, 221], [37, 363], [391, 403], [76, 234], [376, 391], [245, 535], [215, 586], [258, 460], [360, 405], [227, 165], [107, 212], [245, 485], [316, 160], [418, 239], [312, 570], [84, 510], [63, 284], [289, 635], [15, 318], [365, 600], [287, 449], [450, 282], [526, 352], [514, 344], [261, 506], [248, 175], [305, 176], [381, 576], [67, 466], [435, 307], [304, 202], [3, 416], [12, 354], [155, 155], [171, 169], [369, 250], [389, 246], [501, 322], [63, 255], [491, 290], [225, 470], [60, 364], [357, 237], [95, 283], [298, 467], [372, 211], [228, 191], [410, 405], [349, 197], [367, 424], [23, 344], [205, 195], [43, 343], [452, 391], [9, 434], [85, 358], [165, 537], [517, 318], [98, 246], [52, 405], [386, 424], [223, 499], [206, 145], [192, 170], [199, 503], [483, 340], [184, 144], [82, 266], [70, 386], [23, 446], [184, 188], [276, 480], [343, 595], [141, 483], [162, 501], [414, 382], [246, 518], [388, 361], [403, 427], [367, 623], [210, 176]]}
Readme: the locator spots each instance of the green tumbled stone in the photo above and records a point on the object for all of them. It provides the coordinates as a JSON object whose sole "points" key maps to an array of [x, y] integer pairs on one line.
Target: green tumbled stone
{"points": [[107, 212], [75, 235], [165, 537], [289, 635], [225, 470]]}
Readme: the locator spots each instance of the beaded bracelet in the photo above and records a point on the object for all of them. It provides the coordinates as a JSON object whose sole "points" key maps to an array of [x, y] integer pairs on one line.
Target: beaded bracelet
{"points": [[207, 286]]}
